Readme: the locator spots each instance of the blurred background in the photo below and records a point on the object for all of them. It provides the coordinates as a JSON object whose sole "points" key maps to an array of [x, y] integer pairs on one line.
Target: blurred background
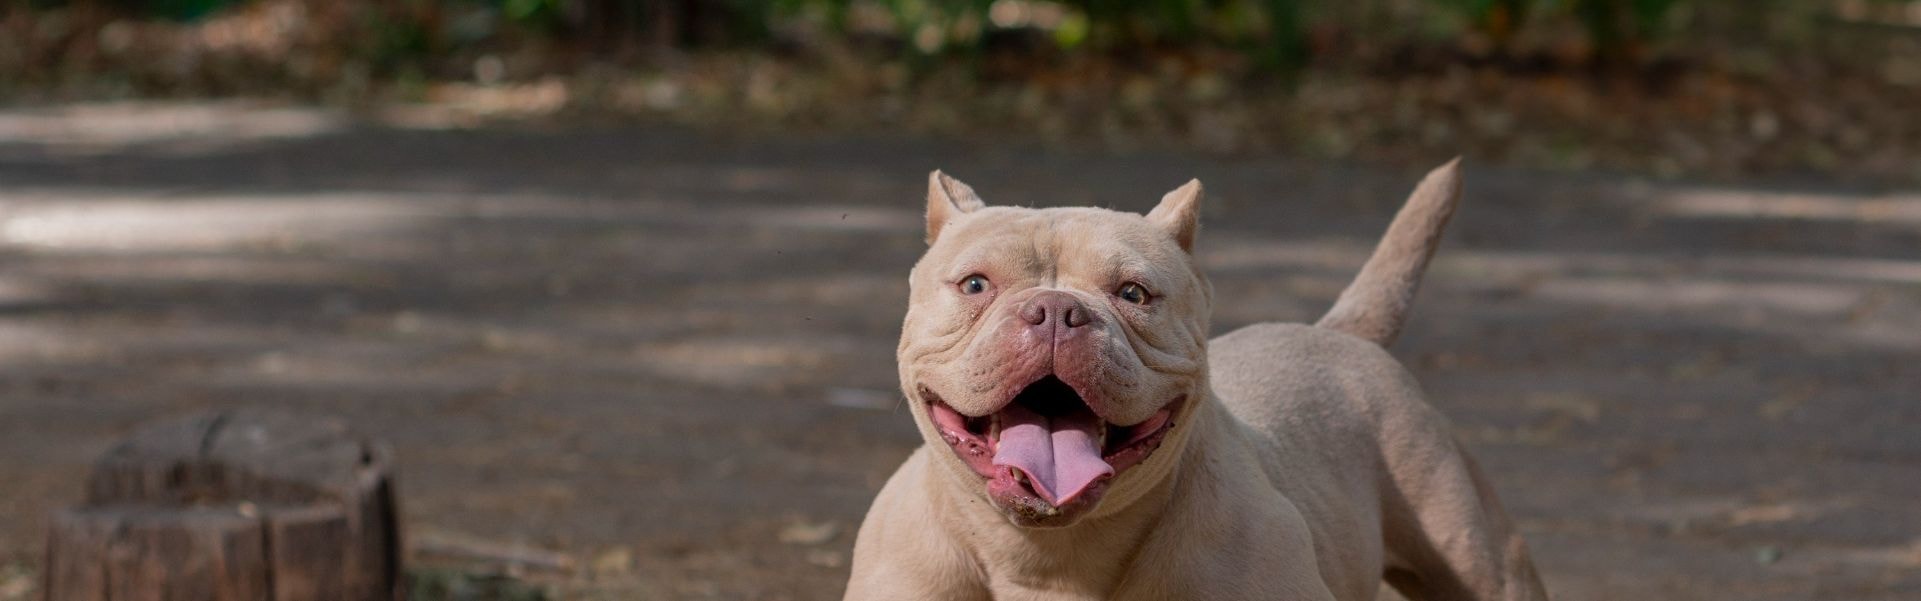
{"points": [[621, 280]]}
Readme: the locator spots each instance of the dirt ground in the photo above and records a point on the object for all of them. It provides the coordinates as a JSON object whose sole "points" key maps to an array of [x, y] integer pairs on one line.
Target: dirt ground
{"points": [[668, 354]]}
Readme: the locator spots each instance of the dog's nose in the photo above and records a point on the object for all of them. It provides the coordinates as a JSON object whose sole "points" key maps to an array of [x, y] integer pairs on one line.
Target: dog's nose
{"points": [[1055, 306]]}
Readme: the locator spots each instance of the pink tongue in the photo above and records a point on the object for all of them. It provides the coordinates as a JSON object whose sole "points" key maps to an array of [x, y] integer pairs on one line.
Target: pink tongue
{"points": [[1061, 455]]}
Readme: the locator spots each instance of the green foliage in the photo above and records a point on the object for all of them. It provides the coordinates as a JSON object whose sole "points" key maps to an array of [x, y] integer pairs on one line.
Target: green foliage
{"points": [[1498, 19], [177, 10], [1614, 26], [543, 13], [1270, 28], [1275, 31], [1619, 25]]}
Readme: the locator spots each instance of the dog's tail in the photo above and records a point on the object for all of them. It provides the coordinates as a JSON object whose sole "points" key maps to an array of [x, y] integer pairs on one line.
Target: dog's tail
{"points": [[1375, 305]]}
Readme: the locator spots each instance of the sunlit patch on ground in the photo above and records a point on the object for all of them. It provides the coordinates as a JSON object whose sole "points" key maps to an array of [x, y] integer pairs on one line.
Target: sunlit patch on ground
{"points": [[1902, 209], [161, 128], [89, 222]]}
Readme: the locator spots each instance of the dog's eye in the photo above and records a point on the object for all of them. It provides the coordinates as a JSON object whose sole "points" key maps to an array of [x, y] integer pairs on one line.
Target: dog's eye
{"points": [[974, 284], [1133, 293]]}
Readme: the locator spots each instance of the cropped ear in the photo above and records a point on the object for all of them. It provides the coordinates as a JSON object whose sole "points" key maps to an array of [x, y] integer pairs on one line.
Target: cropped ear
{"points": [[947, 198], [1179, 214]]}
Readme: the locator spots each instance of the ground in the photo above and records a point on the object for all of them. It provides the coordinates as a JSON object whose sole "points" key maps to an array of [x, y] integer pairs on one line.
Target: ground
{"points": [[666, 356]]}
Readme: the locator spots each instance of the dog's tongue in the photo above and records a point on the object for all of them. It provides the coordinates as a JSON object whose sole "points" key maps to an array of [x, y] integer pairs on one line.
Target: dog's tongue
{"points": [[1061, 455]]}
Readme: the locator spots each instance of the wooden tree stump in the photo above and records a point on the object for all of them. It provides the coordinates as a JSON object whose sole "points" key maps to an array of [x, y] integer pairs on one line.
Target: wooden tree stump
{"points": [[239, 505]]}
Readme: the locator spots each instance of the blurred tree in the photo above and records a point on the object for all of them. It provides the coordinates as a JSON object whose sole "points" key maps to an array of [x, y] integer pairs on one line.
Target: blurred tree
{"points": [[178, 10], [1621, 29], [1619, 32], [1499, 20]]}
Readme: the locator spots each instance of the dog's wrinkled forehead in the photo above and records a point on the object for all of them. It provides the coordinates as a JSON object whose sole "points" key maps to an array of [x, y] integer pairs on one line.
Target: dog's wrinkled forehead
{"points": [[966, 236], [1087, 242]]}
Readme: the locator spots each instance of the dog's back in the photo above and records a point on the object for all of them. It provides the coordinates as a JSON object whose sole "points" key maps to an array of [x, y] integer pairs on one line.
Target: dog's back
{"points": [[1310, 399], [1344, 432]]}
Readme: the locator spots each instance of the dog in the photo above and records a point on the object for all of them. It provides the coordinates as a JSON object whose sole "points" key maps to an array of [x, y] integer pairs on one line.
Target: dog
{"points": [[1086, 440]]}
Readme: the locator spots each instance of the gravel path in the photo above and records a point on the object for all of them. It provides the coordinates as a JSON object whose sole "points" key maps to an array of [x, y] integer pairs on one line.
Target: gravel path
{"points": [[670, 353]]}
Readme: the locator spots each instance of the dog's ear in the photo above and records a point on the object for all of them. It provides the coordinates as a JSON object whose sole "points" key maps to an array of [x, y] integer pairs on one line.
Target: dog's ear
{"points": [[1179, 213], [947, 198]]}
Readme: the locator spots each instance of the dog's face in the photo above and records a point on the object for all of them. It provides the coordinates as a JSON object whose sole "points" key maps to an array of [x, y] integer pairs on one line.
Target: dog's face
{"points": [[1055, 352]]}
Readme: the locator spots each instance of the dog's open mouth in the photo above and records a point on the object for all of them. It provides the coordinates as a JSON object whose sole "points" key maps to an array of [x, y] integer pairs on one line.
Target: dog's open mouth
{"points": [[1048, 442]]}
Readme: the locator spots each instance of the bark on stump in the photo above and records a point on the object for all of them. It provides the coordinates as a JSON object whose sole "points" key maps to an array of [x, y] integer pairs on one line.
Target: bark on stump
{"points": [[238, 505]]}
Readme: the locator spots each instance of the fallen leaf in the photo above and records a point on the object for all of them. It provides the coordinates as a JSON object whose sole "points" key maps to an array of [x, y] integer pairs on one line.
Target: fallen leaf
{"points": [[826, 559], [16, 583], [613, 562], [1587, 409], [803, 533]]}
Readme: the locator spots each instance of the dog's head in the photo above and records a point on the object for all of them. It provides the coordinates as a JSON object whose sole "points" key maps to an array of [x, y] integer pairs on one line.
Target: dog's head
{"points": [[1057, 353]]}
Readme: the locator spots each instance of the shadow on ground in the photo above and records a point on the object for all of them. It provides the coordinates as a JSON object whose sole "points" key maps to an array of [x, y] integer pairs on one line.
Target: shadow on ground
{"points": [[669, 354]]}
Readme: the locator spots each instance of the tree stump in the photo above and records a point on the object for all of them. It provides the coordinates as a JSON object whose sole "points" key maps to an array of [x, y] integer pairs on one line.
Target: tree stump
{"points": [[238, 505]]}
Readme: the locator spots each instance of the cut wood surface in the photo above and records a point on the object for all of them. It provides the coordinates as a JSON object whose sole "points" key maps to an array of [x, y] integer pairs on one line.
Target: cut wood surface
{"points": [[237, 505]]}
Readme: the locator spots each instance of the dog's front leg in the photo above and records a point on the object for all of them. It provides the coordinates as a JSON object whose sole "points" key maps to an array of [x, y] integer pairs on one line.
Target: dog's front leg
{"points": [[901, 551]]}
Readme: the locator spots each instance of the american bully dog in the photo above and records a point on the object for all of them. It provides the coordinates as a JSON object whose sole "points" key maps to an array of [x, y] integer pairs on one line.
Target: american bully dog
{"points": [[1085, 439]]}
